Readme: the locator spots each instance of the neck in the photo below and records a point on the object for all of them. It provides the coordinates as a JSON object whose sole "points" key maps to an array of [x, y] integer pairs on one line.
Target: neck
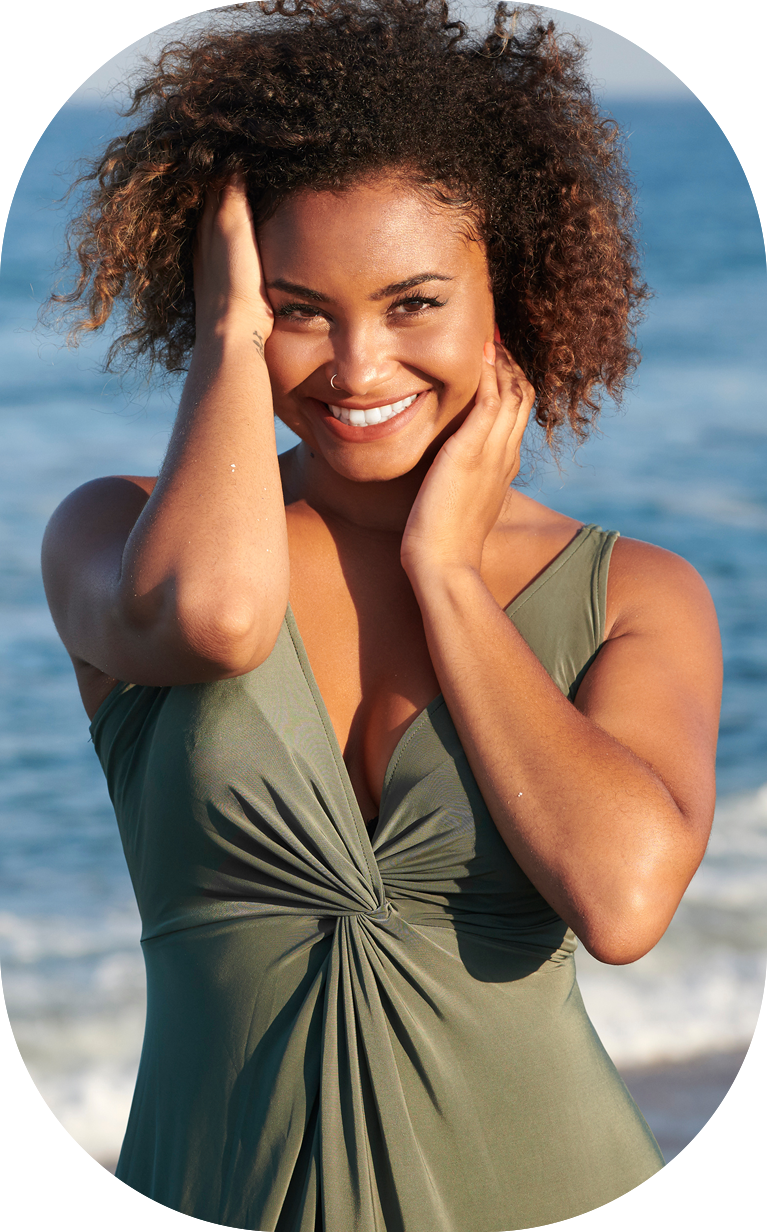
{"points": [[381, 507]]}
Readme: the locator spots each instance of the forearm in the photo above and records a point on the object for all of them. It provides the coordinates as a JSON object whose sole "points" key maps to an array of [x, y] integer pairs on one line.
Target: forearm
{"points": [[590, 823], [207, 559]]}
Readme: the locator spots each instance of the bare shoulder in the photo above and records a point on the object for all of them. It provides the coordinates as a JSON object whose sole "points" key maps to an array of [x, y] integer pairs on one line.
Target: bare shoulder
{"points": [[649, 587], [661, 626], [525, 516], [82, 546], [96, 510], [656, 683], [526, 539], [110, 493], [93, 518]]}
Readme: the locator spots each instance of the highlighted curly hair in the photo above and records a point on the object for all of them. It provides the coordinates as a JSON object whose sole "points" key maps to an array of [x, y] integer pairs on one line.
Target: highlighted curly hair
{"points": [[323, 92]]}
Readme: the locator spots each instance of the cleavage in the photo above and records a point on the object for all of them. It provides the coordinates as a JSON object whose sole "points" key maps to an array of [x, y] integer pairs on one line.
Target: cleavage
{"points": [[374, 679]]}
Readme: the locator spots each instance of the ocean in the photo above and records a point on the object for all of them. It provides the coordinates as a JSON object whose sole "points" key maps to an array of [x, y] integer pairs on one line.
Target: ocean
{"points": [[681, 465]]}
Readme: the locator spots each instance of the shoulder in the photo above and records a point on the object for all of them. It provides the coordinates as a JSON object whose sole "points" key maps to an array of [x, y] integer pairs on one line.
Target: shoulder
{"points": [[88, 522], [86, 533], [95, 508], [662, 650], [656, 683], [527, 537], [650, 588], [118, 492]]}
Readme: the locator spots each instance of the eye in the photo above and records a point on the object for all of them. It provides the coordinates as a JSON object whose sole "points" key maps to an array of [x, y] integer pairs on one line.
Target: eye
{"points": [[299, 312], [415, 305]]}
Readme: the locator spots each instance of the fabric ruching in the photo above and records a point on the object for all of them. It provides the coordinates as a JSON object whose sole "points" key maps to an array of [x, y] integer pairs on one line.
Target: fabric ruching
{"points": [[346, 1032]]}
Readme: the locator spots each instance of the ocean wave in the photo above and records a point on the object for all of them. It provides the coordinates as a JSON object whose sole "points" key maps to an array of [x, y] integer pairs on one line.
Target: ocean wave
{"points": [[657, 1011], [31, 940]]}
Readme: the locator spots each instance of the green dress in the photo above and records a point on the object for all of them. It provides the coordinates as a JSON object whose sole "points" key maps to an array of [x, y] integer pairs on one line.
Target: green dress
{"points": [[346, 1032]]}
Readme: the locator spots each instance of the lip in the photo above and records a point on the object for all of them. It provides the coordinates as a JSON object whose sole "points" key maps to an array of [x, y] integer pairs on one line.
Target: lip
{"points": [[371, 432]]}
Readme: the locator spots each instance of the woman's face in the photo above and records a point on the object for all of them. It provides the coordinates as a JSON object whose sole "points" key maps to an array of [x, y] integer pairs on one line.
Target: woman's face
{"points": [[382, 290]]}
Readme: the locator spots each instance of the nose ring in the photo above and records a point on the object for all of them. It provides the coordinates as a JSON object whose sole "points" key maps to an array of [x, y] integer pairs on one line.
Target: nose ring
{"points": [[332, 386]]}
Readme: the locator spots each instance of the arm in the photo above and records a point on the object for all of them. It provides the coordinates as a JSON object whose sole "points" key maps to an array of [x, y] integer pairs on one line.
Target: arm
{"points": [[605, 804], [186, 579]]}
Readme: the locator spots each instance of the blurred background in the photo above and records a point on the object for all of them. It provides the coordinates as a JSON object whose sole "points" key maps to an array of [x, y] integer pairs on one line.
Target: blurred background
{"points": [[682, 465]]}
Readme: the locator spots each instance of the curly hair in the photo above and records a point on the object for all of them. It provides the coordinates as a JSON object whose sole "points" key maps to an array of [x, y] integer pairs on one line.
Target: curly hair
{"points": [[320, 93]]}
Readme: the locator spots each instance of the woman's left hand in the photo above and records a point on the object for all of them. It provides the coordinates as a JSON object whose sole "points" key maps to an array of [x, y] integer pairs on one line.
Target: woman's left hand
{"points": [[463, 493], [604, 803]]}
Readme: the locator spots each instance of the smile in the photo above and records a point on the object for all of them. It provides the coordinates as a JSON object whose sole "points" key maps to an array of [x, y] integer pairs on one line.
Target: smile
{"points": [[374, 415]]}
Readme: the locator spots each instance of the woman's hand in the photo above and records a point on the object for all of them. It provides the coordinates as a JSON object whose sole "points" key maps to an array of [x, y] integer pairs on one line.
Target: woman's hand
{"points": [[228, 278], [463, 493], [606, 803]]}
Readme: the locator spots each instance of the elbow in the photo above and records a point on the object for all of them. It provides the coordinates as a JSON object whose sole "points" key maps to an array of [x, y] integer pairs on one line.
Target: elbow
{"points": [[618, 951], [206, 640], [230, 641], [627, 931], [628, 917]]}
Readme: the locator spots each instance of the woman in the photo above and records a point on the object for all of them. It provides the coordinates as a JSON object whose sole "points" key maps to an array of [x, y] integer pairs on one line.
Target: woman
{"points": [[383, 734]]}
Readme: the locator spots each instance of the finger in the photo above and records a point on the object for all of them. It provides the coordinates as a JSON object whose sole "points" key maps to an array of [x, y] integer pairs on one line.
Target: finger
{"points": [[516, 393], [473, 432], [505, 390], [519, 386], [234, 192], [508, 366], [488, 396], [517, 399], [205, 221]]}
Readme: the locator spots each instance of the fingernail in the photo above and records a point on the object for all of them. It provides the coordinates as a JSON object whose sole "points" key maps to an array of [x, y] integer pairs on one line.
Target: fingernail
{"points": [[489, 353]]}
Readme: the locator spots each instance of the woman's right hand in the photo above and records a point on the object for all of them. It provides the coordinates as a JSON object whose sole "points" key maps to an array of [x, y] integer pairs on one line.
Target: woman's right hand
{"points": [[228, 278]]}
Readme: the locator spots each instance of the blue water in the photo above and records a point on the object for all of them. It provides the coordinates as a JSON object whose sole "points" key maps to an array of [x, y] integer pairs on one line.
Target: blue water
{"points": [[682, 466]]}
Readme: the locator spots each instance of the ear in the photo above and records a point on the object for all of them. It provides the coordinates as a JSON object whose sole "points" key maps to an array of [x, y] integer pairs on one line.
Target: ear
{"points": [[497, 333]]}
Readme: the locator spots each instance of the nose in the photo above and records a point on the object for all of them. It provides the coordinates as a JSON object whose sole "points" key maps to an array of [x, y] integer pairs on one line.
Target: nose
{"points": [[361, 362]]}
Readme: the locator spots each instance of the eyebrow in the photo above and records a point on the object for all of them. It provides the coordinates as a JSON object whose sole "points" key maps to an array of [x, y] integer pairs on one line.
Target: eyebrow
{"points": [[394, 288], [407, 284]]}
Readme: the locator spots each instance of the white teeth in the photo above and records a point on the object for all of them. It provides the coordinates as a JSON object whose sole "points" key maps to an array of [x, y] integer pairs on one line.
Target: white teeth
{"points": [[375, 415]]}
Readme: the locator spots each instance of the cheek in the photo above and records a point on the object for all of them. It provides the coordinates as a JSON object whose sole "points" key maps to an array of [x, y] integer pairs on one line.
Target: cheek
{"points": [[289, 360], [454, 357], [457, 345]]}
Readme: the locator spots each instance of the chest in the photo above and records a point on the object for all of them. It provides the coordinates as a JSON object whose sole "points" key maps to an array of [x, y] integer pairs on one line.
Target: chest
{"points": [[364, 637]]}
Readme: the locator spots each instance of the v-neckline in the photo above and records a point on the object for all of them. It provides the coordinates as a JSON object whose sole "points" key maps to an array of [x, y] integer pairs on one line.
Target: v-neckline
{"points": [[421, 716]]}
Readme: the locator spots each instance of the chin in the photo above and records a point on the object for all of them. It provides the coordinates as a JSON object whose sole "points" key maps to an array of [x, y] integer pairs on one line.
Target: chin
{"points": [[363, 466]]}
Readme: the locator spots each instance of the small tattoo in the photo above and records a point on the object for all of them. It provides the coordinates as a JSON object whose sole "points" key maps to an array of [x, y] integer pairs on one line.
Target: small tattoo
{"points": [[259, 341]]}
